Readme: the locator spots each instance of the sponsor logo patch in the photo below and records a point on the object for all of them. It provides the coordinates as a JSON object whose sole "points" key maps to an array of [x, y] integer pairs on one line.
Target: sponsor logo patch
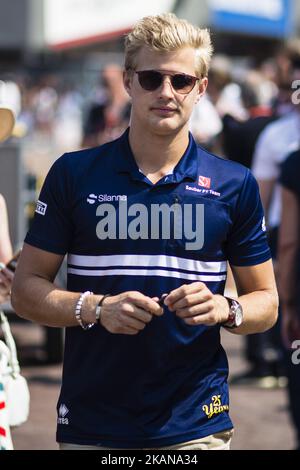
{"points": [[215, 407], [204, 181], [41, 208], [93, 198], [62, 412]]}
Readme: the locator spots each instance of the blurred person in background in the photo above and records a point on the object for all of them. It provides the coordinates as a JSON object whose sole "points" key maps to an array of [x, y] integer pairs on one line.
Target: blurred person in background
{"points": [[6, 275], [238, 140], [276, 141], [205, 124], [67, 126], [289, 278], [109, 115], [143, 364], [44, 102], [223, 90], [7, 122], [286, 63], [239, 136]]}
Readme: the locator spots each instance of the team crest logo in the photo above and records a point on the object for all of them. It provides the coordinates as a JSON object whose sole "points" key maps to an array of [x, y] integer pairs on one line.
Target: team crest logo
{"points": [[204, 182]]}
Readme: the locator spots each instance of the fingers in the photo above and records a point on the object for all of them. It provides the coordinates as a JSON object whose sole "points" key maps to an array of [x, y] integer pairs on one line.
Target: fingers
{"points": [[10, 274], [4, 297], [6, 278], [5, 286], [130, 310], [145, 303], [194, 303], [7, 273], [133, 323], [193, 299], [128, 313], [187, 294], [206, 319], [199, 309]]}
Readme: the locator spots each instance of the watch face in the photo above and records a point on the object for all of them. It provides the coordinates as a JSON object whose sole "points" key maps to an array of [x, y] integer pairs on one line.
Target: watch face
{"points": [[238, 315], [235, 318]]}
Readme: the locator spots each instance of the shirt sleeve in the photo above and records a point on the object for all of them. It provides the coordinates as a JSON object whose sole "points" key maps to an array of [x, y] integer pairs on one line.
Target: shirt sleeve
{"points": [[290, 169], [247, 243], [52, 224], [264, 166]]}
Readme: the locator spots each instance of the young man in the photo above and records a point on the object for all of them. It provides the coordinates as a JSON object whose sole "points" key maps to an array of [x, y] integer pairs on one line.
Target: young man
{"points": [[146, 215]]}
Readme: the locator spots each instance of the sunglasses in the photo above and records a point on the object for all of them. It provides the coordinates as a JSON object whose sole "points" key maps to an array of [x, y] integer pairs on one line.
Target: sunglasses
{"points": [[150, 80]]}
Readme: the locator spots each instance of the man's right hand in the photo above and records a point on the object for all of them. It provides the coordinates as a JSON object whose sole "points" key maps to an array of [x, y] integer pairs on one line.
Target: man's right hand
{"points": [[128, 313]]}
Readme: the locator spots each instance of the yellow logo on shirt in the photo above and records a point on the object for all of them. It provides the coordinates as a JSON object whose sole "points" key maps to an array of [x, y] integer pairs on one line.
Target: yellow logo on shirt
{"points": [[215, 407]]}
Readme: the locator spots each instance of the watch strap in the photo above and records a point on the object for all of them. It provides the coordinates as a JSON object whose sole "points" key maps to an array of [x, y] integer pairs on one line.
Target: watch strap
{"points": [[230, 322]]}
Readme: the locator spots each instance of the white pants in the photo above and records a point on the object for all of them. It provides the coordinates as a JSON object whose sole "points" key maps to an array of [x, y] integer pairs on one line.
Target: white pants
{"points": [[218, 441]]}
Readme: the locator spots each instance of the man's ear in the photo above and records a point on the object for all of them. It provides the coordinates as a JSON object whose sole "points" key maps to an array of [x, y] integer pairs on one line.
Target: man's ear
{"points": [[127, 78], [202, 88]]}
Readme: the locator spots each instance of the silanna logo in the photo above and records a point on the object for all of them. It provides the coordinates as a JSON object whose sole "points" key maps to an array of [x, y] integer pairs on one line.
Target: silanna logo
{"points": [[93, 198]]}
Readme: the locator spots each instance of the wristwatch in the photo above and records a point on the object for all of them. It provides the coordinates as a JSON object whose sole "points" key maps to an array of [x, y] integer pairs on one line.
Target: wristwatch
{"points": [[235, 317]]}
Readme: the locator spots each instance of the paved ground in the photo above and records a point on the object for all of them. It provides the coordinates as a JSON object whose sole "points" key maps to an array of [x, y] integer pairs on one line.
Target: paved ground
{"points": [[260, 416]]}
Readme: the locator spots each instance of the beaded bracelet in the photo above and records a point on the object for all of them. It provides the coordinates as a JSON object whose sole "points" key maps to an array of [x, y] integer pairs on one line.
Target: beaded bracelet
{"points": [[84, 326]]}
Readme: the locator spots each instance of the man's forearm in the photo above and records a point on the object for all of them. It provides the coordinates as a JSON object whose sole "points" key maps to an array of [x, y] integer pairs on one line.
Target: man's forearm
{"points": [[260, 309], [288, 275], [41, 301]]}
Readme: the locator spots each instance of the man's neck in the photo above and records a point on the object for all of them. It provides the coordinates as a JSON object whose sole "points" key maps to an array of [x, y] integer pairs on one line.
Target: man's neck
{"points": [[157, 155]]}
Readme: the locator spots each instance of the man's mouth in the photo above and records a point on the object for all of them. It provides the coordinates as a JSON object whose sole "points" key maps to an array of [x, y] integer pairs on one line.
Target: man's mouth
{"points": [[164, 109]]}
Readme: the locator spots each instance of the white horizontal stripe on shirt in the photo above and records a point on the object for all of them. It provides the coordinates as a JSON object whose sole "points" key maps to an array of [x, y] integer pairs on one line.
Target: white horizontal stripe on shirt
{"points": [[145, 272], [159, 261]]}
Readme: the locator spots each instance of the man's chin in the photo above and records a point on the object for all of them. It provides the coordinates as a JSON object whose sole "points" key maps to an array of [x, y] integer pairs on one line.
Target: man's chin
{"points": [[165, 126]]}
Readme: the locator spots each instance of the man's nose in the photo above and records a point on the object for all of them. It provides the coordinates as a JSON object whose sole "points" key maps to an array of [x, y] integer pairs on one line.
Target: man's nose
{"points": [[166, 88]]}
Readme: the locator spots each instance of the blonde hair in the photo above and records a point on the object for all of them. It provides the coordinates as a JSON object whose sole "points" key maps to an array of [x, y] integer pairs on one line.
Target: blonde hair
{"points": [[168, 33]]}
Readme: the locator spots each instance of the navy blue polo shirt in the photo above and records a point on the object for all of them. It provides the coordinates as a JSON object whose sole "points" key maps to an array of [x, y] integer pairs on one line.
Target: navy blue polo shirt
{"points": [[168, 383]]}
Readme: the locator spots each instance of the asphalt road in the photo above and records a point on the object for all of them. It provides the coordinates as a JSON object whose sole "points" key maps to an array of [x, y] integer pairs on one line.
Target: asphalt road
{"points": [[260, 416]]}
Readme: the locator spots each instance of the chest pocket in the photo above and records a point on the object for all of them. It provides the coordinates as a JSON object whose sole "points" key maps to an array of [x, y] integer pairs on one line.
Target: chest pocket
{"points": [[204, 224]]}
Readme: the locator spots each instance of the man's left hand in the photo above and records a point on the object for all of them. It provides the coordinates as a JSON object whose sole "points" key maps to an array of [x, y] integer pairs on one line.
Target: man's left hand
{"points": [[197, 305]]}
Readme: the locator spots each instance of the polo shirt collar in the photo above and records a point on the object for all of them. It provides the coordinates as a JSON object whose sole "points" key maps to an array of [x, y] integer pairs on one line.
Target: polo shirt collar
{"points": [[186, 168]]}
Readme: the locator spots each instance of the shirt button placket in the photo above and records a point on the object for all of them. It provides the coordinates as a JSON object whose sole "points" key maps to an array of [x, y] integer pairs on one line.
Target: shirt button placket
{"points": [[172, 242]]}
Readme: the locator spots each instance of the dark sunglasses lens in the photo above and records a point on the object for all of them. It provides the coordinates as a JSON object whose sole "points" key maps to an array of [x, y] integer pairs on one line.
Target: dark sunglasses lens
{"points": [[183, 83], [149, 79]]}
